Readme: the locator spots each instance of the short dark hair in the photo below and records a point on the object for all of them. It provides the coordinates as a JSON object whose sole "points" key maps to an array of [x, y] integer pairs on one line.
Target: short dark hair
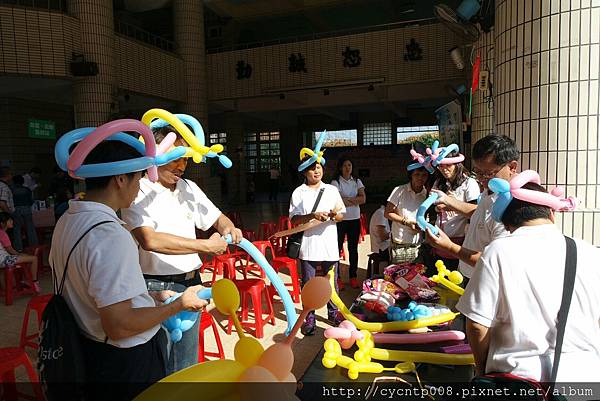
{"points": [[310, 167], [162, 132], [105, 152], [4, 171], [18, 180], [4, 217], [340, 165], [519, 211], [411, 172], [501, 147]]}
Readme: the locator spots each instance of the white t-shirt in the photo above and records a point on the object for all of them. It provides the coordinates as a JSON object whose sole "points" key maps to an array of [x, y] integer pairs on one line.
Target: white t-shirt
{"points": [[320, 242], [482, 230], [516, 291], [29, 182], [407, 202], [378, 219], [453, 223], [104, 268], [349, 189], [176, 212]]}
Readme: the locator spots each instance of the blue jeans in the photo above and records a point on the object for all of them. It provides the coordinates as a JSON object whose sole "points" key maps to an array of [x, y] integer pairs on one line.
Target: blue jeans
{"points": [[23, 218], [184, 353]]}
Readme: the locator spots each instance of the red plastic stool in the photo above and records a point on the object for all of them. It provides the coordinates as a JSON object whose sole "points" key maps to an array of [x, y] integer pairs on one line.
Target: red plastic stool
{"points": [[222, 264], [250, 235], [39, 251], [235, 218], [12, 282], [266, 229], [37, 304], [255, 288], [207, 320], [291, 265], [10, 360], [263, 247], [284, 223], [363, 227]]}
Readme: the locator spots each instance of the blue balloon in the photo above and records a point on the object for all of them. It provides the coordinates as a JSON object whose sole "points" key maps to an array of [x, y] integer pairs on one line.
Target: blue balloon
{"points": [[63, 145], [186, 119], [502, 189], [177, 324], [421, 222], [315, 155], [284, 294], [445, 152]]}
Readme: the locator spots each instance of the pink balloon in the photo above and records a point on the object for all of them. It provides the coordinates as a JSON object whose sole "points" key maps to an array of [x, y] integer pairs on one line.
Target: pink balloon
{"points": [[166, 143], [347, 324], [421, 338], [85, 146], [339, 333], [552, 199]]}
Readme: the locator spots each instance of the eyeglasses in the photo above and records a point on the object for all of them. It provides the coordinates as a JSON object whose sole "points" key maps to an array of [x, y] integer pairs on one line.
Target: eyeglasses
{"points": [[486, 176]]}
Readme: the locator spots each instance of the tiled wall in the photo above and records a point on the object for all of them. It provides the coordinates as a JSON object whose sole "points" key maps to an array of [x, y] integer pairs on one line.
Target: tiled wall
{"points": [[382, 56], [482, 118], [547, 86], [145, 69], [37, 42]]}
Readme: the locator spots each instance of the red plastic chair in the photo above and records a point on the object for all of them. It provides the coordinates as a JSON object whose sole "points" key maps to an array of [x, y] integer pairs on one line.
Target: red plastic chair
{"points": [[13, 286], [10, 360], [37, 304], [208, 321], [250, 235], [39, 251], [263, 247], [235, 218], [283, 262]]}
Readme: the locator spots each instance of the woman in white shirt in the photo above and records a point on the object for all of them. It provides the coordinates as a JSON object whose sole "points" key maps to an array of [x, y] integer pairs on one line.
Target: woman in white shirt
{"points": [[453, 180], [401, 209], [319, 244], [352, 192]]}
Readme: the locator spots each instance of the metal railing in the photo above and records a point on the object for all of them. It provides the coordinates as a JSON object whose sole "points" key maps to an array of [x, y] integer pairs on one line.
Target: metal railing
{"points": [[321, 35], [144, 36]]}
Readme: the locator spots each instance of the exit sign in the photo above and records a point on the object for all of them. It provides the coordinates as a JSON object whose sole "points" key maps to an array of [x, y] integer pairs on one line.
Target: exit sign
{"points": [[41, 129]]}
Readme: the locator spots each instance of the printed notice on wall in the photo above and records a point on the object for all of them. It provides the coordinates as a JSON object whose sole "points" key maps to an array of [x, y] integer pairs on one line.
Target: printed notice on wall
{"points": [[449, 118], [41, 129]]}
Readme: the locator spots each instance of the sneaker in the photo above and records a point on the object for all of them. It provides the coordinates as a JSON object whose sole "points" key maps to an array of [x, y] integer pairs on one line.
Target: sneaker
{"points": [[335, 318], [36, 287], [308, 327], [341, 284], [354, 282]]}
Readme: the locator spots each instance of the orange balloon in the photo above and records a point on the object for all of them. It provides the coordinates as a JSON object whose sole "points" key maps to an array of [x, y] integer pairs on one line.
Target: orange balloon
{"points": [[316, 293], [279, 359]]}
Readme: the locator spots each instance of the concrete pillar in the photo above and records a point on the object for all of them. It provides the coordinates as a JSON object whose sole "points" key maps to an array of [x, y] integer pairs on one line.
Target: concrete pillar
{"points": [[547, 71], [92, 96], [189, 38]]}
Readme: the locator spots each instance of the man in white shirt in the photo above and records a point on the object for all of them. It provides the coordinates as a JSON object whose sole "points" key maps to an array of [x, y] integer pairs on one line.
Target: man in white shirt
{"points": [[104, 286], [163, 219], [493, 156], [32, 178], [401, 209], [514, 296]]}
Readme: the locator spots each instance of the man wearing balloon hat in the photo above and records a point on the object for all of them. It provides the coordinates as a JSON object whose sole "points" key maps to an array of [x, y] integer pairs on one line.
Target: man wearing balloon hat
{"points": [[164, 218], [493, 156], [515, 291], [104, 288]]}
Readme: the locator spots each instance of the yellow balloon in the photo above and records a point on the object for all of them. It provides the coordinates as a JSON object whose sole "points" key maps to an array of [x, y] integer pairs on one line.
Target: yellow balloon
{"points": [[248, 351], [219, 371], [455, 277], [175, 122], [385, 326], [226, 296], [435, 358]]}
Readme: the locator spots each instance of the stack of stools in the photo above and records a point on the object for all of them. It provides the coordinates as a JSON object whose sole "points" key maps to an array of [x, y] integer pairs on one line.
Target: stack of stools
{"points": [[252, 289], [208, 321]]}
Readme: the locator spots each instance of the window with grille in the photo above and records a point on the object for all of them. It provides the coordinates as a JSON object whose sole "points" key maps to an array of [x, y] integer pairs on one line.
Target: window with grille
{"points": [[218, 137], [262, 151], [339, 138], [377, 134]]}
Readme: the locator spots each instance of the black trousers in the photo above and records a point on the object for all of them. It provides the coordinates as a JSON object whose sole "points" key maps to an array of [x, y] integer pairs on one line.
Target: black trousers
{"points": [[122, 373], [351, 229]]}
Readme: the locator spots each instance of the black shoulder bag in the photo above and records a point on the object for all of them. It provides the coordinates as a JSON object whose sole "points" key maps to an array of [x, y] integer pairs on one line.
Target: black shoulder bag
{"points": [[294, 242], [519, 385], [61, 361]]}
